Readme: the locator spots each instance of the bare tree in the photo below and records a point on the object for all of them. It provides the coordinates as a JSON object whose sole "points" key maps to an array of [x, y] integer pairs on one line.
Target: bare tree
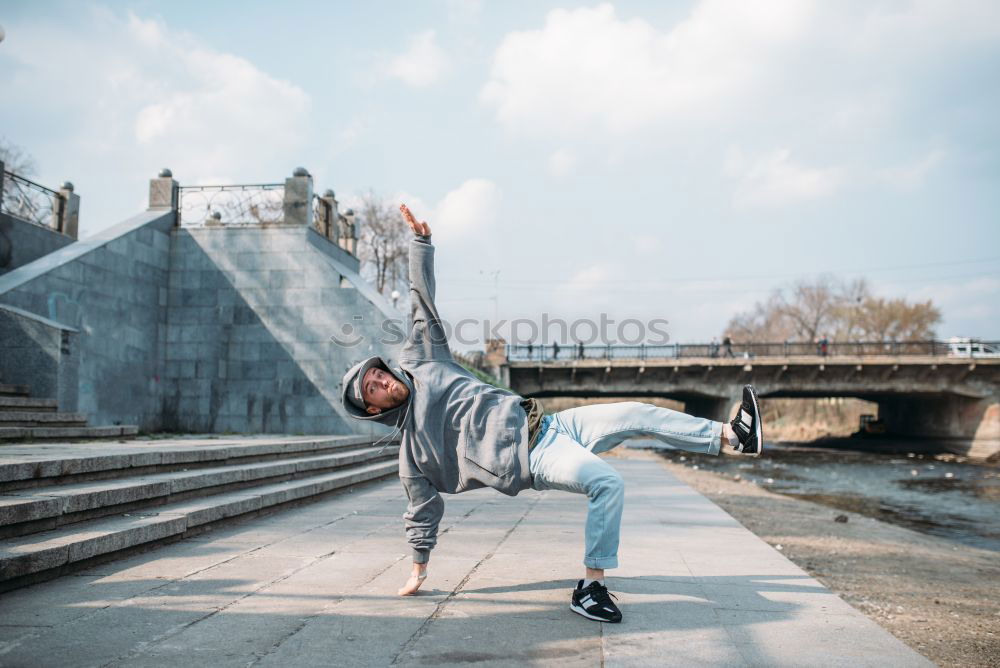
{"points": [[897, 320], [848, 313], [766, 322], [383, 246], [825, 306], [15, 199], [810, 307], [16, 159]]}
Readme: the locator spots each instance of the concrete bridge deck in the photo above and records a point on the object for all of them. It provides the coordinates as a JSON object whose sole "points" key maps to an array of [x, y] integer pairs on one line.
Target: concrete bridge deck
{"points": [[315, 586]]}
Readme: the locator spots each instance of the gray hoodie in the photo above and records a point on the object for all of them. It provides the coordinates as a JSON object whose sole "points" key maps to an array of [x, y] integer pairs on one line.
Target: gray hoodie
{"points": [[458, 433]]}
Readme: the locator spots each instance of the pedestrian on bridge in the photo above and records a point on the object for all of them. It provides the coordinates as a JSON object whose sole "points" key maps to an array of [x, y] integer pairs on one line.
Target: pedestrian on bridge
{"points": [[727, 344], [459, 433]]}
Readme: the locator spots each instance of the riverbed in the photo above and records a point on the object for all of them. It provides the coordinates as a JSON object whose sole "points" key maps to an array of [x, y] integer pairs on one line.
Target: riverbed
{"points": [[939, 494]]}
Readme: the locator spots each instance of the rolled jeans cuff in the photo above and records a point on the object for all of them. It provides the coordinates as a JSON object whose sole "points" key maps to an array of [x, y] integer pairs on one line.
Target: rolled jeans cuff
{"points": [[421, 556], [601, 562], [716, 446]]}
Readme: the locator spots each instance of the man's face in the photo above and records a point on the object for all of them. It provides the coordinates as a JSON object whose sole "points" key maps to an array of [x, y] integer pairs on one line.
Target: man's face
{"points": [[382, 391]]}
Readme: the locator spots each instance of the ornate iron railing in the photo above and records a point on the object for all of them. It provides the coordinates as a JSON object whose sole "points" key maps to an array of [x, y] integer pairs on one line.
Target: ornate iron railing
{"points": [[30, 201], [549, 353], [235, 204]]}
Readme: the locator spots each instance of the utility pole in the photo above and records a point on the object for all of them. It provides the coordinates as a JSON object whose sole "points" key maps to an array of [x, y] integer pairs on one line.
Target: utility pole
{"points": [[496, 293]]}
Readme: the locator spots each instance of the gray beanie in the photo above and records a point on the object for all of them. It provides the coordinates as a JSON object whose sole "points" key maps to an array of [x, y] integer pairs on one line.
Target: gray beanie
{"points": [[354, 393]]}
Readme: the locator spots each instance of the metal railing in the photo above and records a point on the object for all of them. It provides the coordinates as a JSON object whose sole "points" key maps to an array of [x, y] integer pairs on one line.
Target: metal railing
{"points": [[557, 353], [32, 202], [233, 204]]}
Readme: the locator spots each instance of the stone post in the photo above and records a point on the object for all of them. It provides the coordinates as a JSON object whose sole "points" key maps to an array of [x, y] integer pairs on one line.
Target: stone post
{"points": [[163, 192], [331, 226], [69, 217], [496, 359], [349, 233], [298, 198]]}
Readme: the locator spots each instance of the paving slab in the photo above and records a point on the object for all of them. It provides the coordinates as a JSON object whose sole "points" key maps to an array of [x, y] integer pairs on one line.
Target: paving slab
{"points": [[315, 586]]}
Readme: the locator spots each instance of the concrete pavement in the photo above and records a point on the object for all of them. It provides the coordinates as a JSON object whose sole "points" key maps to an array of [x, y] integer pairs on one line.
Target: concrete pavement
{"points": [[315, 586]]}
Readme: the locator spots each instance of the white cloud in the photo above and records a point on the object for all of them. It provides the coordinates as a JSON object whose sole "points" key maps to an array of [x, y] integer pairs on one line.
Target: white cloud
{"points": [[589, 70], [774, 179], [148, 96], [474, 205], [589, 289], [561, 163], [423, 62]]}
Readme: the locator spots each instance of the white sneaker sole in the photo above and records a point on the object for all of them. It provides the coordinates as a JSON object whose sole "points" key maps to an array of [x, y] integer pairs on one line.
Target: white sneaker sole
{"points": [[759, 431], [580, 611]]}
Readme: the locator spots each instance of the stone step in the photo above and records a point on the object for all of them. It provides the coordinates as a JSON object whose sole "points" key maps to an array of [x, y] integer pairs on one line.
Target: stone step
{"points": [[40, 509], [22, 418], [41, 465], [52, 433], [27, 403], [14, 390], [52, 553]]}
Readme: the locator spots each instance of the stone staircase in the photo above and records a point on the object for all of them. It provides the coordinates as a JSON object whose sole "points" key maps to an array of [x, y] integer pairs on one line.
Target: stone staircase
{"points": [[25, 417], [66, 506]]}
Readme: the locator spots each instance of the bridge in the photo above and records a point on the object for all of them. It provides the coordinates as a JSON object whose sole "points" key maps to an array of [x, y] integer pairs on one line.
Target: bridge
{"points": [[931, 390]]}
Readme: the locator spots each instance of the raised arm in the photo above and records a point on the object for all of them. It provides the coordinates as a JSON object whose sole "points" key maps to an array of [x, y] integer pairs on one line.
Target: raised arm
{"points": [[426, 339]]}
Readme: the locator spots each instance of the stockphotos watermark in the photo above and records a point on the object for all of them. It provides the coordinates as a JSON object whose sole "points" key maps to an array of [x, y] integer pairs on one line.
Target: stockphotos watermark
{"points": [[519, 331]]}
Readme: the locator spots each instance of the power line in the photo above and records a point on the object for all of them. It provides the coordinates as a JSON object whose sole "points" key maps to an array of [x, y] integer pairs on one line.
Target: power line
{"points": [[639, 288], [531, 283]]}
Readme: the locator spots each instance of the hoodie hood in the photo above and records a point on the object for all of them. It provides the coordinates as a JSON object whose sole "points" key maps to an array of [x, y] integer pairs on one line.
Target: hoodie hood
{"points": [[392, 417]]}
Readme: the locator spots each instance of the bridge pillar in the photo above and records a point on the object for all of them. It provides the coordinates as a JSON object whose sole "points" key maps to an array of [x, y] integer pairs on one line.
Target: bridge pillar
{"points": [[713, 408], [966, 425]]}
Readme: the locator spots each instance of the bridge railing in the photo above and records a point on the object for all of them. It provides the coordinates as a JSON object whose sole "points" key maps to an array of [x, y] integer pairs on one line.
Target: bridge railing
{"points": [[557, 352]]}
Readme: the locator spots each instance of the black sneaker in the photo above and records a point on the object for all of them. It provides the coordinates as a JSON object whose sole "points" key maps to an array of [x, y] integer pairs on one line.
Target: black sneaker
{"points": [[747, 425], [594, 602]]}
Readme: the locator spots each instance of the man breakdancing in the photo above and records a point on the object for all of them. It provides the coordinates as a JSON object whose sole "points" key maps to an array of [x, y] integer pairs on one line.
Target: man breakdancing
{"points": [[459, 433]]}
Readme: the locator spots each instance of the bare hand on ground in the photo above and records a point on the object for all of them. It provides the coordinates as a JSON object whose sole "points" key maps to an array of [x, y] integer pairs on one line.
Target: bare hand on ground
{"points": [[413, 584], [418, 228]]}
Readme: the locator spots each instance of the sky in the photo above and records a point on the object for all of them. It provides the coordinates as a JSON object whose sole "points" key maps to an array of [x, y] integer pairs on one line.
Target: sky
{"points": [[675, 161]]}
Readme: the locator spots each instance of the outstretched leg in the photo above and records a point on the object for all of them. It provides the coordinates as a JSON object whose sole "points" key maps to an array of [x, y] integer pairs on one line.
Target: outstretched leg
{"points": [[565, 458], [600, 427]]}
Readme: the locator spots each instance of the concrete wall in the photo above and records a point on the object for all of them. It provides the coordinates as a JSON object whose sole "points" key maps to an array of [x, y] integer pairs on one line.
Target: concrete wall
{"points": [[22, 242], [40, 353], [194, 329], [249, 319], [112, 288]]}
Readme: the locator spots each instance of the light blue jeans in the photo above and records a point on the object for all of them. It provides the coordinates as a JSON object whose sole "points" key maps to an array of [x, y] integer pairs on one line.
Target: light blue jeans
{"points": [[565, 458]]}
